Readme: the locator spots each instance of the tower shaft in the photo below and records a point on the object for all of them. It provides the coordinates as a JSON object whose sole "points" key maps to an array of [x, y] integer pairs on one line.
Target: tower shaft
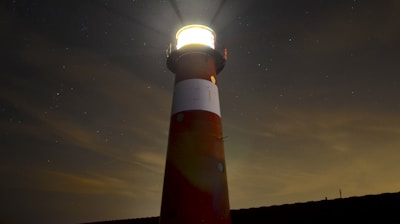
{"points": [[195, 184]]}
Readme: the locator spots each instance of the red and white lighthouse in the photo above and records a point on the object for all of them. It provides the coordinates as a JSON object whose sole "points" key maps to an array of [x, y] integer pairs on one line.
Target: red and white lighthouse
{"points": [[195, 183]]}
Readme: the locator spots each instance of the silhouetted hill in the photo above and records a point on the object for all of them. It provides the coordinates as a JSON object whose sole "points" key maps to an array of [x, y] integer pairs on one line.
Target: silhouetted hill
{"points": [[383, 208]]}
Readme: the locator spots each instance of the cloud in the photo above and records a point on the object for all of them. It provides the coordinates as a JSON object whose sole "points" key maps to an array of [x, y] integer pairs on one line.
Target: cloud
{"points": [[306, 155], [128, 105], [354, 27], [157, 161], [64, 182], [89, 125]]}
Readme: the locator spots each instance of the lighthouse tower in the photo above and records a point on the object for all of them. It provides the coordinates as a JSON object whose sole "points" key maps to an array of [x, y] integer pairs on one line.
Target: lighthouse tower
{"points": [[195, 183]]}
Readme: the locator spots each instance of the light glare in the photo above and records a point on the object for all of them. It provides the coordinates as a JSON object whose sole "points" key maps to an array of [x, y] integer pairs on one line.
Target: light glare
{"points": [[195, 34]]}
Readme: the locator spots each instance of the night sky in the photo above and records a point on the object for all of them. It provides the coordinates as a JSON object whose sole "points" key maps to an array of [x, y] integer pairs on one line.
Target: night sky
{"points": [[309, 100]]}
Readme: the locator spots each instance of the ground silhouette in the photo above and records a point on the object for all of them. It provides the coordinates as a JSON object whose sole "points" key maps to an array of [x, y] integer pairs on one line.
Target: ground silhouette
{"points": [[382, 208]]}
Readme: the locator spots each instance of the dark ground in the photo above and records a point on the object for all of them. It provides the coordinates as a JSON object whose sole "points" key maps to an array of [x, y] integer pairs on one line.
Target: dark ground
{"points": [[383, 208]]}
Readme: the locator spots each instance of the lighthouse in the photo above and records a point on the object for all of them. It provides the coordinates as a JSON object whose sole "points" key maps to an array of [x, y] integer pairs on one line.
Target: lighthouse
{"points": [[195, 186]]}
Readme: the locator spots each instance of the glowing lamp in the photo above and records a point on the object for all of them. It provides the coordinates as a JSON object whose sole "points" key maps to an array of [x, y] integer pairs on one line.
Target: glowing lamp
{"points": [[195, 34]]}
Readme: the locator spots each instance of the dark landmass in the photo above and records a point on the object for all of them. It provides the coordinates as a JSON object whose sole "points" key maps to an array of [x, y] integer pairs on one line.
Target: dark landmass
{"points": [[383, 208]]}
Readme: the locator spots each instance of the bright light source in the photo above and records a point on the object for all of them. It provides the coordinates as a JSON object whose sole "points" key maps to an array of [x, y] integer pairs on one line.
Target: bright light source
{"points": [[195, 34]]}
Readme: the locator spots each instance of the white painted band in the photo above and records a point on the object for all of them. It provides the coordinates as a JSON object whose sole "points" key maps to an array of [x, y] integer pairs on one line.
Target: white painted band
{"points": [[196, 94]]}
